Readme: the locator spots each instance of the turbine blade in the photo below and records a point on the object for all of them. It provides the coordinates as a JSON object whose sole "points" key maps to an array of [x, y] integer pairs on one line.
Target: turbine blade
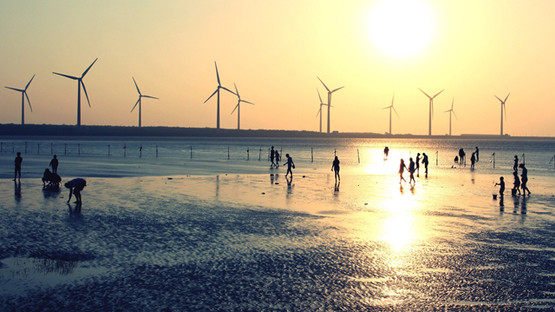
{"points": [[217, 74], [387, 107], [500, 100], [395, 110], [236, 91], [136, 86], [211, 95], [228, 90], [337, 89], [247, 102], [319, 111], [136, 104], [438, 93], [67, 76], [506, 97], [87, 70], [455, 115], [27, 86], [392, 99], [426, 94], [85, 89], [234, 108], [15, 89], [28, 101], [150, 97], [319, 95], [323, 84]]}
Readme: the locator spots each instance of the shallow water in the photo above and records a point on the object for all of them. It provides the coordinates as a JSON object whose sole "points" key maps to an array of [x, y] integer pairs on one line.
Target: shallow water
{"points": [[252, 241]]}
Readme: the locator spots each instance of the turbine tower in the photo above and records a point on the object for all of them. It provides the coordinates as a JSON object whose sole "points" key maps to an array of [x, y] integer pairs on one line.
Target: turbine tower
{"points": [[79, 83], [431, 110], [503, 108], [320, 110], [390, 107], [23, 96], [139, 100], [238, 107], [329, 100], [451, 112], [218, 92]]}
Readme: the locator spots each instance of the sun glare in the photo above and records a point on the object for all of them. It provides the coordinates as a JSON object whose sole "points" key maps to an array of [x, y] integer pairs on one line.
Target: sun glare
{"points": [[401, 28]]}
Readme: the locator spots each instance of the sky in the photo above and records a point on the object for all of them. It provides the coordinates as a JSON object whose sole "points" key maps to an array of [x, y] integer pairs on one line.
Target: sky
{"points": [[274, 51]]}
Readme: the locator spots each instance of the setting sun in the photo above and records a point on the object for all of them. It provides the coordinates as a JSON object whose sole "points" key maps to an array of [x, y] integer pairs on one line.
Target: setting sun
{"points": [[401, 28]]}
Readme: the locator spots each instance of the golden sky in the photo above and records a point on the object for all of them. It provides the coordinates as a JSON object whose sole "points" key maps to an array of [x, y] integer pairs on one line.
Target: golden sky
{"points": [[274, 51]]}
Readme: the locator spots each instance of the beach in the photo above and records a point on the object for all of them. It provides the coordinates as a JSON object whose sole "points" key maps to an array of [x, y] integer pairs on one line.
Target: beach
{"points": [[247, 240]]}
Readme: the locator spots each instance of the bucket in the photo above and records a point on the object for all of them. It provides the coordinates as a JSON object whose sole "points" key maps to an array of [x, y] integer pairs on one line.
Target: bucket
{"points": [[494, 196]]}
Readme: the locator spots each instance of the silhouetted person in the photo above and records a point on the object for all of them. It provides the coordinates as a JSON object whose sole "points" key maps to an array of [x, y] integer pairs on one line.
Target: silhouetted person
{"points": [[290, 164], [46, 177], [272, 157], [278, 159], [75, 187], [462, 156], [515, 164], [425, 162], [402, 168], [472, 160], [477, 152], [386, 152], [412, 168], [516, 184], [17, 162], [417, 164], [335, 168], [524, 180], [54, 164], [501, 186]]}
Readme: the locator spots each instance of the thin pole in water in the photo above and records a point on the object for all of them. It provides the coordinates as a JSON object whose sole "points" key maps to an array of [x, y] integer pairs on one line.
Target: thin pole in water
{"points": [[156, 150], [108, 149], [191, 152], [523, 158], [358, 156], [311, 154], [248, 156], [141, 151], [437, 156], [38, 148], [65, 148], [124, 150], [259, 153], [493, 159], [228, 152]]}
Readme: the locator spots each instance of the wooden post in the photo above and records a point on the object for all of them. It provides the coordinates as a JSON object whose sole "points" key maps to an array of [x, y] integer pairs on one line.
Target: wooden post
{"points": [[108, 149], [358, 156], [228, 152], [156, 151], [437, 156], [191, 152], [493, 159], [65, 148], [523, 158], [141, 151], [124, 150], [259, 153], [311, 154], [38, 148], [248, 156]]}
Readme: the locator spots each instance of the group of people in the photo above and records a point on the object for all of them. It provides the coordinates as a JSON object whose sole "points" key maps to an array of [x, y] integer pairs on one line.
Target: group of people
{"points": [[519, 183], [414, 166], [474, 158], [51, 180], [275, 157]]}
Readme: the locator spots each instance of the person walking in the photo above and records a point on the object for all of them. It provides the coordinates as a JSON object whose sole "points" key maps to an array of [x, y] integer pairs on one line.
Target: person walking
{"points": [[290, 165], [524, 180], [17, 163], [402, 168], [425, 161], [412, 168], [417, 162], [335, 168]]}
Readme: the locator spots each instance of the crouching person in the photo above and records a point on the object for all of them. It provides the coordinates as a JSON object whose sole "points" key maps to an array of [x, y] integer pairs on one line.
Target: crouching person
{"points": [[75, 187]]}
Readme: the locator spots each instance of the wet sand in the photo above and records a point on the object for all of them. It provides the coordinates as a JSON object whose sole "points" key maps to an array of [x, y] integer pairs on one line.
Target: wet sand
{"points": [[253, 242]]}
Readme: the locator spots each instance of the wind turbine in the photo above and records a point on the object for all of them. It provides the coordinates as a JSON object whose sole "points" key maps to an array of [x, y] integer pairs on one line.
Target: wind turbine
{"points": [[503, 108], [451, 112], [218, 92], [23, 96], [390, 107], [238, 107], [431, 110], [329, 100], [139, 100], [79, 83], [320, 110]]}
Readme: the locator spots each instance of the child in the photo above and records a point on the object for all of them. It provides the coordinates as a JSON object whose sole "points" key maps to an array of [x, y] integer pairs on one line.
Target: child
{"points": [[516, 184], [501, 185]]}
